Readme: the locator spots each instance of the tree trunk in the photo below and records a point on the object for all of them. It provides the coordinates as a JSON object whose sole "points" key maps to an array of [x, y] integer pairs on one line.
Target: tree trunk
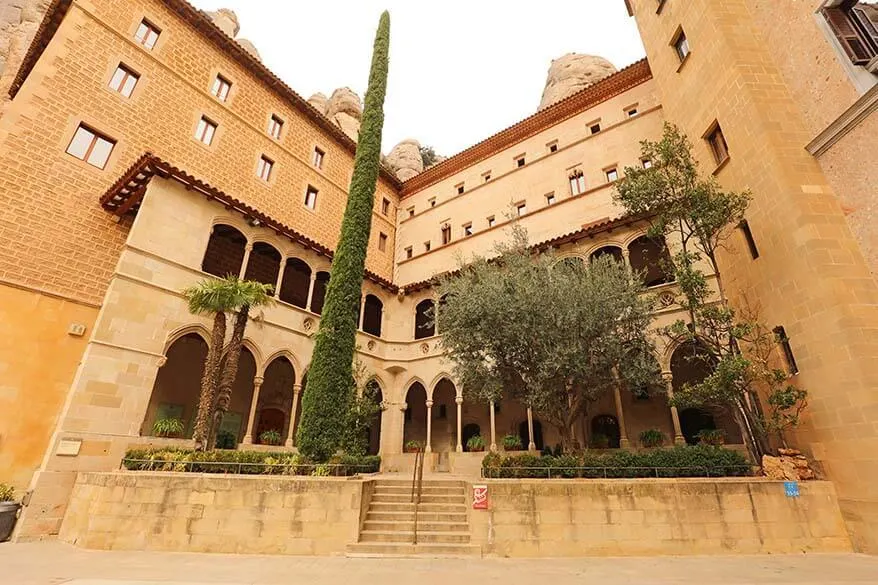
{"points": [[209, 381], [230, 371]]}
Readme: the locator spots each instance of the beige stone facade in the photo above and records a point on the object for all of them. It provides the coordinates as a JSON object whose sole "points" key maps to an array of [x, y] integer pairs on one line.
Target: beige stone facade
{"points": [[111, 248]]}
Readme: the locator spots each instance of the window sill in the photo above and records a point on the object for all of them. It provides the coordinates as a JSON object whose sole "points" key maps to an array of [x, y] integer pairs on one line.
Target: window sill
{"points": [[721, 165], [683, 62]]}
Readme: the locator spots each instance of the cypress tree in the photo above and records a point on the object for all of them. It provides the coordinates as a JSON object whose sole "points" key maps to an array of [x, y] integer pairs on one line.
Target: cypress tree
{"points": [[328, 394]]}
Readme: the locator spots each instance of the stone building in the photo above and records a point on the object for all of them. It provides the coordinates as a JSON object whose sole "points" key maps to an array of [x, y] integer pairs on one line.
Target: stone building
{"points": [[113, 202]]}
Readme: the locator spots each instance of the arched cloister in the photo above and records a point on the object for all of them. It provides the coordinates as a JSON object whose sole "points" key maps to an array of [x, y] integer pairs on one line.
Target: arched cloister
{"points": [[614, 252], [225, 251], [177, 385], [415, 420], [234, 425], [295, 283], [264, 264], [274, 402], [425, 325], [318, 296], [444, 416], [650, 258], [373, 309], [605, 426], [374, 393]]}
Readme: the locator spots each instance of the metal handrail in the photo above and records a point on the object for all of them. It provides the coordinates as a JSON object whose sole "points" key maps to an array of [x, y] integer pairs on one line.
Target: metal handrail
{"points": [[580, 472], [417, 486]]}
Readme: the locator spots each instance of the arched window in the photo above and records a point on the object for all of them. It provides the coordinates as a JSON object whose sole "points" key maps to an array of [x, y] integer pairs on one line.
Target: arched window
{"points": [[425, 326], [176, 388], [614, 252], [572, 262], [225, 251], [372, 309], [264, 264], [296, 282], [650, 258], [321, 280], [415, 423]]}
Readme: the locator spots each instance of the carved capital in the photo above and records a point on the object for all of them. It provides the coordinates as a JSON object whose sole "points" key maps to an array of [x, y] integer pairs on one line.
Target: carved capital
{"points": [[429, 404], [161, 361]]}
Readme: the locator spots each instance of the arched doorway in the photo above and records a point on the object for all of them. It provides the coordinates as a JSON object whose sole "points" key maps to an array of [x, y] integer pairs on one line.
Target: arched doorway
{"points": [[606, 425], [415, 426], [270, 419], [444, 432], [177, 385], [525, 436], [693, 421], [469, 431], [234, 425], [373, 392], [275, 399], [225, 251]]}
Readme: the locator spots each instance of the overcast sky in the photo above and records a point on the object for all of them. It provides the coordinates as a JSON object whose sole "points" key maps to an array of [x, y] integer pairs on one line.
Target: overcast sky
{"points": [[459, 70]]}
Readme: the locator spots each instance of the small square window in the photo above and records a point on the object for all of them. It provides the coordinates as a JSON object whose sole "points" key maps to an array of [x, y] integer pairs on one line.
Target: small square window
{"points": [[91, 146], [553, 146], [486, 176], [550, 199], [594, 128], [385, 206], [467, 230], [521, 209], [411, 211], [426, 246], [221, 88], [612, 175], [409, 252], [382, 242], [681, 45], [577, 183], [519, 162], [147, 34], [646, 163], [446, 234], [432, 202], [492, 222], [631, 112], [205, 131], [275, 125], [459, 189], [263, 170], [311, 197], [317, 158], [124, 80], [717, 143]]}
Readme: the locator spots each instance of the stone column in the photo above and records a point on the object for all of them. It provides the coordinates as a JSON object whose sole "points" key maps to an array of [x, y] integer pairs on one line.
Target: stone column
{"points": [[427, 447], [297, 389], [624, 443], [311, 291], [493, 430], [626, 260], [362, 309], [459, 401], [531, 446], [247, 249], [402, 408], [679, 439], [257, 385], [280, 277]]}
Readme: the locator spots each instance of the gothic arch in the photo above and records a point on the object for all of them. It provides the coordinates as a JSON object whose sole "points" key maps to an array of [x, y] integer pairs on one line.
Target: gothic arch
{"points": [[280, 353], [196, 328], [437, 379]]}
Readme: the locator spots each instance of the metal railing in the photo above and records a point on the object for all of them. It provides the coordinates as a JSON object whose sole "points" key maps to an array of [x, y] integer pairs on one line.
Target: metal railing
{"points": [[417, 486], [246, 468], [689, 471]]}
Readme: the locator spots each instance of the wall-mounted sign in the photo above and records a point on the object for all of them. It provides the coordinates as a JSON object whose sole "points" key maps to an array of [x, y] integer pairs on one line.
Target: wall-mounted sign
{"points": [[791, 489], [480, 497]]}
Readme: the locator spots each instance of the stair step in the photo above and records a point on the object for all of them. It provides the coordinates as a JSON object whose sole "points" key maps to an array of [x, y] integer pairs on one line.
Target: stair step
{"points": [[440, 483], [405, 537], [383, 525], [376, 549], [407, 491], [422, 507], [425, 498], [409, 516]]}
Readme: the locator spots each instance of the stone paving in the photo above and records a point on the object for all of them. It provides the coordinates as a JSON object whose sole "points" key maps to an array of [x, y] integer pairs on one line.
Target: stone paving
{"points": [[52, 563]]}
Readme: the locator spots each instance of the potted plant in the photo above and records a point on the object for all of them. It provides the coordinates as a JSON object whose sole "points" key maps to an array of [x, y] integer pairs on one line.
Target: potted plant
{"points": [[412, 446], [600, 441], [512, 443], [271, 437], [168, 428], [711, 437], [8, 511], [475, 443], [652, 438], [226, 440]]}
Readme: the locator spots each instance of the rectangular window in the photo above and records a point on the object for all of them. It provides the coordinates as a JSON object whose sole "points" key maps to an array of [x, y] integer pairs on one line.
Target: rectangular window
{"points": [[594, 127], [717, 143], [263, 171], [317, 159], [612, 175], [311, 197], [432, 202], [411, 211], [446, 234], [385, 206], [550, 199], [467, 229], [646, 163], [744, 226], [124, 80], [487, 176], [275, 125], [492, 222], [577, 183], [519, 162], [409, 252], [553, 146], [681, 45], [781, 336], [147, 34], [854, 29], [631, 112], [91, 146], [459, 189], [521, 209], [382, 242], [426, 246], [205, 131], [221, 88]]}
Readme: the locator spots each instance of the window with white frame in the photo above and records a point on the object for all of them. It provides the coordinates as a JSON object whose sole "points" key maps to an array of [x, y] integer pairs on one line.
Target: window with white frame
{"points": [[124, 80], [317, 158], [311, 197], [275, 125], [221, 88], [205, 130], [577, 182], [147, 34], [264, 168], [91, 146]]}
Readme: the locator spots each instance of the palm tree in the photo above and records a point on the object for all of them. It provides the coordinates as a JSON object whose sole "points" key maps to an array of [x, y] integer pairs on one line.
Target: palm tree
{"points": [[212, 296], [246, 295]]}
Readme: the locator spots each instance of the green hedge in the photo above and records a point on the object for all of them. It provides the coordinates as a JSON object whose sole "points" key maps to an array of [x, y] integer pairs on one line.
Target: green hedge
{"points": [[246, 462], [697, 461]]}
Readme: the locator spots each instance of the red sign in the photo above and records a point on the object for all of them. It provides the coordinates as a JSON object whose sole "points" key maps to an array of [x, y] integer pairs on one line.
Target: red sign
{"points": [[480, 497]]}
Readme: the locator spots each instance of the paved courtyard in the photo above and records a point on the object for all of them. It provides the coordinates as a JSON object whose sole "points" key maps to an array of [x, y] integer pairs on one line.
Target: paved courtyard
{"points": [[55, 563]]}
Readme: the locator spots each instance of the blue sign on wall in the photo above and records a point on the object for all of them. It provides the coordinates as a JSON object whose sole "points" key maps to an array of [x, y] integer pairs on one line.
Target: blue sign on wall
{"points": [[791, 488]]}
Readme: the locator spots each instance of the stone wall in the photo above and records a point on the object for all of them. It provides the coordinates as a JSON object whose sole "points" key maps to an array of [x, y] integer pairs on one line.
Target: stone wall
{"points": [[567, 518], [213, 513]]}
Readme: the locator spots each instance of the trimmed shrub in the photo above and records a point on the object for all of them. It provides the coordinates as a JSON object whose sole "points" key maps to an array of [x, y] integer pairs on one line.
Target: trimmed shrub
{"points": [[652, 438]]}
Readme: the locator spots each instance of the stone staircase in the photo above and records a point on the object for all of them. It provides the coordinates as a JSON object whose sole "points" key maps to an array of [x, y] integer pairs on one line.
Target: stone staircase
{"points": [[443, 529]]}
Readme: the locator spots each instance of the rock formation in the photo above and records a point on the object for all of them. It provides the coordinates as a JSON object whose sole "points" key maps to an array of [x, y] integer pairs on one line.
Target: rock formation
{"points": [[343, 107], [19, 20], [571, 73], [405, 159], [790, 465], [226, 20]]}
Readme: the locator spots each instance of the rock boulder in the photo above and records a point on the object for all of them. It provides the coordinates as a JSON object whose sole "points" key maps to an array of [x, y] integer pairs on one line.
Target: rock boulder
{"points": [[571, 73], [789, 465], [405, 159]]}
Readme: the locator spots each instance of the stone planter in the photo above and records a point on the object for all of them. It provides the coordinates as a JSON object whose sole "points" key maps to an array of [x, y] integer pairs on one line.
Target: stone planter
{"points": [[8, 516]]}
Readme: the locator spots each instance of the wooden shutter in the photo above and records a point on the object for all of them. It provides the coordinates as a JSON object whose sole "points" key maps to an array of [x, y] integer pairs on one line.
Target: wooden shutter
{"points": [[855, 47], [866, 25]]}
